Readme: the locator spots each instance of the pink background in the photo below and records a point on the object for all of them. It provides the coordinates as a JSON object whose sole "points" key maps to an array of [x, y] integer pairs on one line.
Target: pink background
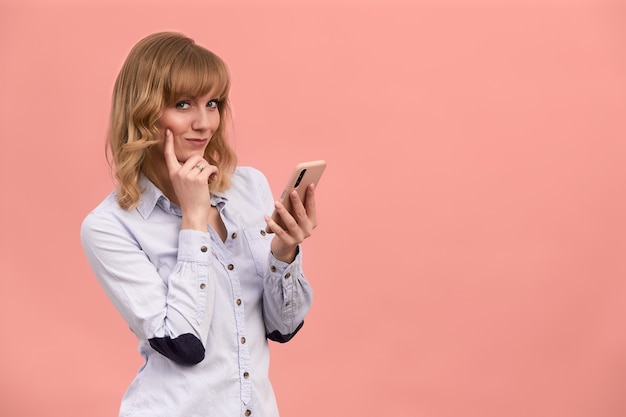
{"points": [[471, 254]]}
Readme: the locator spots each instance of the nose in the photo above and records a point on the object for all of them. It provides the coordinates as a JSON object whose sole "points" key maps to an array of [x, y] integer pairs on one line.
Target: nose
{"points": [[205, 119]]}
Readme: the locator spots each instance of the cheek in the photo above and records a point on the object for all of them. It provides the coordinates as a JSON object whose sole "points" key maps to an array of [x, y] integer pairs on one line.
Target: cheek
{"points": [[216, 122], [171, 121]]}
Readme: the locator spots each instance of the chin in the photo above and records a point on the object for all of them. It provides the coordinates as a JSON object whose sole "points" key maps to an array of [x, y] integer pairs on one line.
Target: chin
{"points": [[183, 158]]}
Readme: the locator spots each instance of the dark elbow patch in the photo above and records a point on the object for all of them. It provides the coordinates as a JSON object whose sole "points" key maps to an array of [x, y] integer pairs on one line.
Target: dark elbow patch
{"points": [[185, 349], [277, 336]]}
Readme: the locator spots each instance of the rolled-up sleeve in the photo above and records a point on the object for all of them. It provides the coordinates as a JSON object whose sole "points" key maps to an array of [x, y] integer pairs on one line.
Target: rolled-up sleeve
{"points": [[173, 313]]}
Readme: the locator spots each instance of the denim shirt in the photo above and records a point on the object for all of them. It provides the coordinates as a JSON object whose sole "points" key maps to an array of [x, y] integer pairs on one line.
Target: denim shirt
{"points": [[202, 309]]}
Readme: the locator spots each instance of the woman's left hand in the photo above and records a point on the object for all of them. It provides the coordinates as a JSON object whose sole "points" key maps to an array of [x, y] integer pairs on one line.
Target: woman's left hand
{"points": [[298, 226]]}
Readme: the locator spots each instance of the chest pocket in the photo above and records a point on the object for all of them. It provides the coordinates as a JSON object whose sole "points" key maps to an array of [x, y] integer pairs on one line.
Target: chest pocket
{"points": [[259, 244]]}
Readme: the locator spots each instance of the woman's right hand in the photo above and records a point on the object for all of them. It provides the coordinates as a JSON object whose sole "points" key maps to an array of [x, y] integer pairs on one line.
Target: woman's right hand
{"points": [[190, 181]]}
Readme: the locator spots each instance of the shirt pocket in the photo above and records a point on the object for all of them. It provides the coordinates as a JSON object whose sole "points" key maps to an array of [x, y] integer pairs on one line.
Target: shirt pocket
{"points": [[258, 242]]}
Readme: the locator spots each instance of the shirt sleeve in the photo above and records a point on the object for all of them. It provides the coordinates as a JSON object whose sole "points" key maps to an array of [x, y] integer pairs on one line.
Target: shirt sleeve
{"points": [[173, 313], [287, 295], [287, 298]]}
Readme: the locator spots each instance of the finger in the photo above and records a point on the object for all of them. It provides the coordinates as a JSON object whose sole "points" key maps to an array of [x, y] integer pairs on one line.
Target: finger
{"points": [[285, 216], [297, 227], [272, 225], [170, 155], [210, 173], [196, 166], [213, 175], [281, 233], [297, 206], [309, 204], [306, 219]]}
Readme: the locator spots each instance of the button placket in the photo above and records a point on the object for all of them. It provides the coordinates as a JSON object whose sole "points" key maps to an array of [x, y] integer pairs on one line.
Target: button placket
{"points": [[237, 304], [244, 354]]}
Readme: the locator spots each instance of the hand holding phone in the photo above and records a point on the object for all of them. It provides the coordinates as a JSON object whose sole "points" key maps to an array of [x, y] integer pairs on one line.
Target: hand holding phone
{"points": [[303, 175]]}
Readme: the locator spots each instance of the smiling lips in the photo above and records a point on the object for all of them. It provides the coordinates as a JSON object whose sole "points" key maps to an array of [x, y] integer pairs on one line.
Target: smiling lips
{"points": [[197, 142]]}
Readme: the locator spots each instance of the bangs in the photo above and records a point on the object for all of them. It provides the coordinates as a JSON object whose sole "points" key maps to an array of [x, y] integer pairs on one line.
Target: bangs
{"points": [[196, 72]]}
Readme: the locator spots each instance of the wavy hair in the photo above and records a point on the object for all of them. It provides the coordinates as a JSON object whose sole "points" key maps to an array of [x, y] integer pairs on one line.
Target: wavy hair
{"points": [[159, 70]]}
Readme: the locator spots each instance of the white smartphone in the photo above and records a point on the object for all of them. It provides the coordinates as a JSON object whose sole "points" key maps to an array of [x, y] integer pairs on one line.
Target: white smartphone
{"points": [[303, 175]]}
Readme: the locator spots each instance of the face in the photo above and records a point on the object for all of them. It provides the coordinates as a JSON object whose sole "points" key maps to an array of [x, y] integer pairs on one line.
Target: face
{"points": [[192, 120]]}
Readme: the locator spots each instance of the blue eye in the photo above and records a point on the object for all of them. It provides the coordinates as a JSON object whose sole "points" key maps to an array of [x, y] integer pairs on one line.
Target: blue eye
{"points": [[182, 105], [213, 103]]}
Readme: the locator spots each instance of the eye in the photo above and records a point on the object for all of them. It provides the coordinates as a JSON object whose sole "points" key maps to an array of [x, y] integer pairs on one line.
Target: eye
{"points": [[213, 103], [182, 105]]}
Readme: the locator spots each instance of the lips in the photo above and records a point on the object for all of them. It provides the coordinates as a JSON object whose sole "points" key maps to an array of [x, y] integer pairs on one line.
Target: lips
{"points": [[197, 141]]}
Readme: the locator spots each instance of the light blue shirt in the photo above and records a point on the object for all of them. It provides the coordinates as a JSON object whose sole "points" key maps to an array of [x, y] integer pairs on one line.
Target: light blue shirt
{"points": [[202, 309]]}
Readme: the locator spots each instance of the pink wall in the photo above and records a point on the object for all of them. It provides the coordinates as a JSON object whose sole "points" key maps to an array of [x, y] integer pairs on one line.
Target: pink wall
{"points": [[471, 256]]}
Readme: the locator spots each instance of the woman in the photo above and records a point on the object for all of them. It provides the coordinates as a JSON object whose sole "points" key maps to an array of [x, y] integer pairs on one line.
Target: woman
{"points": [[180, 247]]}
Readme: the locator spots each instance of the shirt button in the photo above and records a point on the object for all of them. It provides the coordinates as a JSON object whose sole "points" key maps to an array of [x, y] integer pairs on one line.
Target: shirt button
{"points": [[243, 340], [287, 303], [263, 233], [246, 375], [238, 301], [287, 275], [202, 286], [273, 268], [234, 235], [247, 413], [203, 249], [230, 267]]}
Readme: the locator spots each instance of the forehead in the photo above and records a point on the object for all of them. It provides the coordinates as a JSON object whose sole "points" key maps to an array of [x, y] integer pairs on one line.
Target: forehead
{"points": [[196, 75], [202, 97]]}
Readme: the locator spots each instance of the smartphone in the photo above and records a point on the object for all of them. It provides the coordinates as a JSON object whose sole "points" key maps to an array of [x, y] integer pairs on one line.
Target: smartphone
{"points": [[303, 175]]}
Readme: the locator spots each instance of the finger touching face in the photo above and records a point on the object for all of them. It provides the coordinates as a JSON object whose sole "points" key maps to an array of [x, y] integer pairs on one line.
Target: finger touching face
{"points": [[169, 153]]}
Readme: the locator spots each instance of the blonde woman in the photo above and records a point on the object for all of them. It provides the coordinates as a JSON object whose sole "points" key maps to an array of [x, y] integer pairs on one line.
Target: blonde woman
{"points": [[180, 246]]}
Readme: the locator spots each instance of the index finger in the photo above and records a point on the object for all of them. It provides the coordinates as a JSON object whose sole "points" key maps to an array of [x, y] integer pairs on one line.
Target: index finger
{"points": [[170, 156]]}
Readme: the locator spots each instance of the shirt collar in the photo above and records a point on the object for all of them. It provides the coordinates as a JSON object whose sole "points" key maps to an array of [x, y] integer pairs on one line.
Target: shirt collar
{"points": [[151, 196]]}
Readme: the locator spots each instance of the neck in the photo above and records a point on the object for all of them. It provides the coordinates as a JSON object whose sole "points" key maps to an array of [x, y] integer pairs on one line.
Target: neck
{"points": [[158, 173]]}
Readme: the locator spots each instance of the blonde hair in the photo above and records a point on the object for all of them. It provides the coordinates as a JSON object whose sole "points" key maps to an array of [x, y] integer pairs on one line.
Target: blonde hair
{"points": [[159, 70]]}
